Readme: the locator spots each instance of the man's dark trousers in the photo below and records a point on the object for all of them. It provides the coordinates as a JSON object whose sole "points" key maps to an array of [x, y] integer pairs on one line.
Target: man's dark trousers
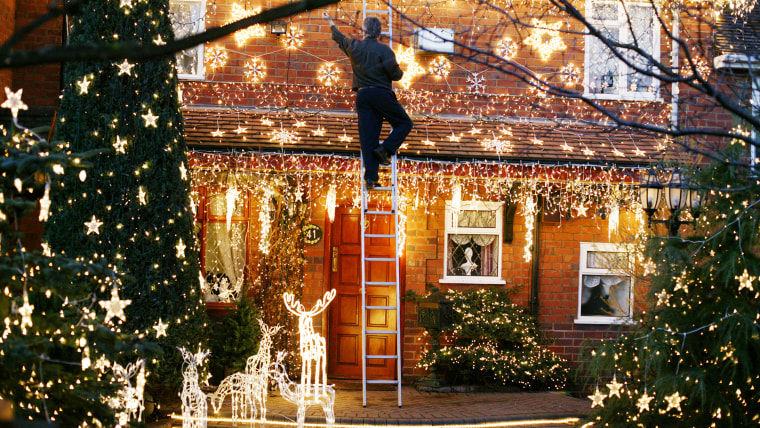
{"points": [[374, 105]]}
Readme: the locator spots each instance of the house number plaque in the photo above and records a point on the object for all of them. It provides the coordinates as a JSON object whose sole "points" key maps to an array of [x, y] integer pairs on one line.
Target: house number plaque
{"points": [[312, 234]]}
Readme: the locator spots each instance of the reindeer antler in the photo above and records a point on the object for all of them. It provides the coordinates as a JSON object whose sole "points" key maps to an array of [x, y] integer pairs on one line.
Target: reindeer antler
{"points": [[294, 307], [323, 302]]}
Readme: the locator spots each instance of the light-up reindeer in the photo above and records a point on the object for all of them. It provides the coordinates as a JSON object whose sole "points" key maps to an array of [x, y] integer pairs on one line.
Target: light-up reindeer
{"points": [[194, 407], [313, 345], [248, 389], [299, 395]]}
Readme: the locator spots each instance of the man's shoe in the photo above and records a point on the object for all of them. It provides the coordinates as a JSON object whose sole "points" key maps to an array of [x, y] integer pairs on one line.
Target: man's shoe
{"points": [[371, 184], [382, 155]]}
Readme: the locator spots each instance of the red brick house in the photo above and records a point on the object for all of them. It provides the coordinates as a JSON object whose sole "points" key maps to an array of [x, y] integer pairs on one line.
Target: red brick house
{"points": [[492, 165]]}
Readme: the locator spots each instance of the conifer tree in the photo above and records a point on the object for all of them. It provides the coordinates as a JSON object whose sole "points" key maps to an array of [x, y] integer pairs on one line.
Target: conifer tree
{"points": [[132, 208], [694, 358]]}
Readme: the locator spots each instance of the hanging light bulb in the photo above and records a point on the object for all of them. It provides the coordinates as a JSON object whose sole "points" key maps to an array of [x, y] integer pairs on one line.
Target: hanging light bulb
{"points": [[330, 202]]}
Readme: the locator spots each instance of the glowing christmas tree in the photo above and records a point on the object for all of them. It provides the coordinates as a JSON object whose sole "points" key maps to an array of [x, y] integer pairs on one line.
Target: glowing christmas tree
{"points": [[132, 208], [694, 358]]}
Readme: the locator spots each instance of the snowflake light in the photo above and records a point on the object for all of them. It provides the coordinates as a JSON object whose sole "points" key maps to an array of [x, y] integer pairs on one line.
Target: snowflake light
{"points": [[284, 136], [252, 32], [506, 48], [215, 57], [476, 83], [293, 38], [496, 144], [255, 69], [440, 67], [570, 74], [545, 38], [328, 74]]}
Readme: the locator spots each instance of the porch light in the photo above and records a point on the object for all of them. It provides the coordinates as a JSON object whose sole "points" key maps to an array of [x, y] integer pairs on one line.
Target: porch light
{"points": [[679, 195], [278, 28]]}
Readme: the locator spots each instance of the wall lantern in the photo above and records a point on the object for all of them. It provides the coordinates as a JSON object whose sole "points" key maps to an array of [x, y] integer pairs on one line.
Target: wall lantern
{"points": [[678, 194], [278, 28]]}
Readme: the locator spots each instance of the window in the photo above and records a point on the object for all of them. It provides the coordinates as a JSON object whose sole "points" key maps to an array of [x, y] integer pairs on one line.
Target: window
{"points": [[188, 18], [605, 290], [224, 247], [473, 243], [608, 76]]}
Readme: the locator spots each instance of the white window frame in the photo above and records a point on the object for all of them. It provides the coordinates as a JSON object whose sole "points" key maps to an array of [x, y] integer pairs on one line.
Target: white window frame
{"points": [[200, 72], [585, 248], [450, 222], [623, 70]]}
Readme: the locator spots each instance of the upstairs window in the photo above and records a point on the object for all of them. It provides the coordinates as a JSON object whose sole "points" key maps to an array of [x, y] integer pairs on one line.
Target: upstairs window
{"points": [[188, 18], [605, 289], [473, 243], [607, 75]]}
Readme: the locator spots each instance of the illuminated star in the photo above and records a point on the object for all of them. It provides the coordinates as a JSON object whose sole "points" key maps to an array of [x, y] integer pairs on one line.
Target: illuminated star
{"points": [[662, 298], [217, 133], [597, 399], [428, 142], [266, 122], [319, 132], [537, 142], [45, 203], [581, 209], [150, 119], [26, 313], [241, 130], [120, 145], [115, 306], [745, 281], [643, 402], [674, 401], [639, 152], [141, 196], [84, 85], [126, 3], [345, 138], [93, 226], [545, 38], [299, 124], [125, 68], [298, 194], [474, 130], [614, 387], [566, 147], [618, 153], [183, 171], [588, 152], [14, 102], [453, 138], [160, 328], [180, 249], [159, 41]]}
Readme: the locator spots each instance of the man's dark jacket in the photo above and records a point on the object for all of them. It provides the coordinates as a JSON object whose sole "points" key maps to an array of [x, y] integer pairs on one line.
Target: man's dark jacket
{"points": [[373, 63]]}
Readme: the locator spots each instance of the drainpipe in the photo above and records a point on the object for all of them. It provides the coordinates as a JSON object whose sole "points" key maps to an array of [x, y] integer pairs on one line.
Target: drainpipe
{"points": [[674, 63], [535, 251]]}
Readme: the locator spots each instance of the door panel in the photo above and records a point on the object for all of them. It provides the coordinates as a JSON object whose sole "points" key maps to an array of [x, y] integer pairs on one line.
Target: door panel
{"points": [[344, 341]]}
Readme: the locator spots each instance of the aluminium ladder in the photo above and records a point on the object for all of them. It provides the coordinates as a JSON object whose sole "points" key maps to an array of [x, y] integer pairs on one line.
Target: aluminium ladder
{"points": [[378, 214], [388, 12]]}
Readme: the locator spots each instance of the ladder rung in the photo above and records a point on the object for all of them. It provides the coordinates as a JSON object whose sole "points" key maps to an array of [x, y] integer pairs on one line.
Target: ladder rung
{"points": [[378, 11], [391, 308], [380, 331], [378, 235], [387, 382], [380, 259], [381, 357], [379, 283], [383, 188], [379, 212]]}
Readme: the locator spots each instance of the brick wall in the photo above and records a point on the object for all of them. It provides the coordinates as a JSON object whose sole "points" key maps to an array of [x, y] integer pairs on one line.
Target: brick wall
{"points": [[7, 24], [40, 83]]}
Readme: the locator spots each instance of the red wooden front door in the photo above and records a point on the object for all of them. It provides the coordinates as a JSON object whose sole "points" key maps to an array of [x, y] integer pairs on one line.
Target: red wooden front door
{"points": [[344, 352]]}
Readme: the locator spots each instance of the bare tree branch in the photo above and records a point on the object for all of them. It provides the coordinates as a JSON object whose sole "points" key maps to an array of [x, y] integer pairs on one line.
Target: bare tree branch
{"points": [[137, 51]]}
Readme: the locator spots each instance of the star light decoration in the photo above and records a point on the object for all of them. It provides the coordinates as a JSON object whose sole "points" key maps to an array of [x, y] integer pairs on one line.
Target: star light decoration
{"points": [[674, 401], [745, 281], [180, 249], [84, 85], [284, 136], [45, 203], [614, 387], [440, 67], [252, 32], [160, 328], [125, 68], [293, 38], [643, 402], [93, 226], [216, 56], [120, 145], [115, 306], [328, 74], [13, 102], [545, 38], [255, 70], [597, 398], [26, 311], [150, 119]]}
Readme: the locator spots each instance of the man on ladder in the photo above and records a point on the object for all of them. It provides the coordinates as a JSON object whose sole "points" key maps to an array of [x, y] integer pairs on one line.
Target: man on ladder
{"points": [[374, 68]]}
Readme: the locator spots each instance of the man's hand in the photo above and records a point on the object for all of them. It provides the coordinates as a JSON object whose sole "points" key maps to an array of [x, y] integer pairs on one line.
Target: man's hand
{"points": [[328, 18]]}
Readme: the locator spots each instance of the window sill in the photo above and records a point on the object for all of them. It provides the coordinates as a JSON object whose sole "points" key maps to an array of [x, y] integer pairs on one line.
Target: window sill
{"points": [[474, 280], [604, 321], [632, 96], [193, 77]]}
